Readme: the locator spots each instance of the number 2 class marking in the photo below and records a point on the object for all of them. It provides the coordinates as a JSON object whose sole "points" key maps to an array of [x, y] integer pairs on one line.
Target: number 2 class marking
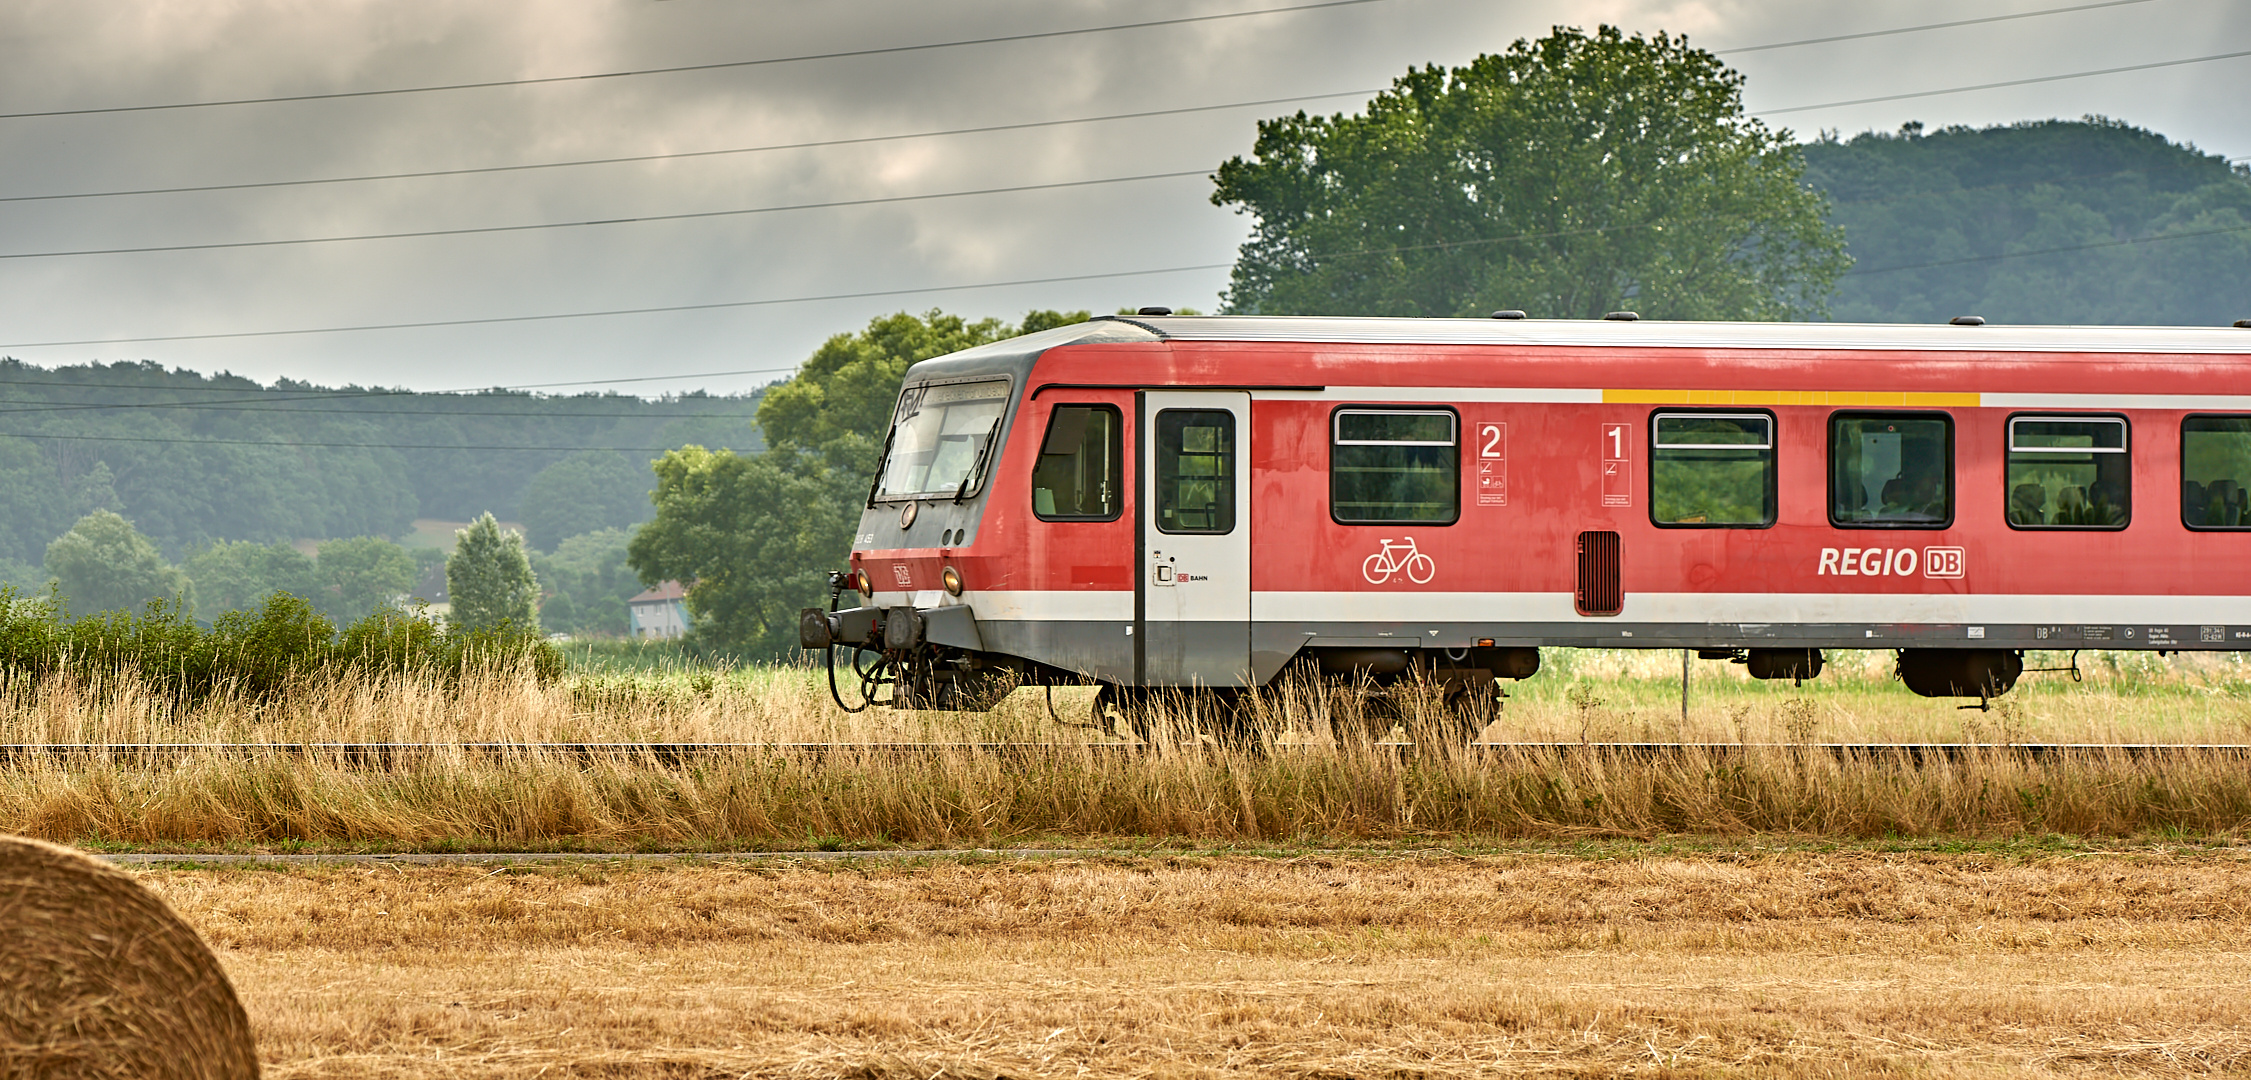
{"points": [[1492, 464]]}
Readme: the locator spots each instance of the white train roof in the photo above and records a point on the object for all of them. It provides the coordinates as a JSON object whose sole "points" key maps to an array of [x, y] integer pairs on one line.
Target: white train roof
{"points": [[1650, 333]]}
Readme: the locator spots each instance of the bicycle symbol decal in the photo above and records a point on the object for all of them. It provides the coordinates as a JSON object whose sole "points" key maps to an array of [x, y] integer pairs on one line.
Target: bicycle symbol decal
{"points": [[1399, 558]]}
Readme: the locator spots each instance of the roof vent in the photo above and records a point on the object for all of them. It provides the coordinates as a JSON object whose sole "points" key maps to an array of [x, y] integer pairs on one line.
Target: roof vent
{"points": [[1513, 313], [1622, 316], [1154, 311], [1966, 320], [2243, 324]]}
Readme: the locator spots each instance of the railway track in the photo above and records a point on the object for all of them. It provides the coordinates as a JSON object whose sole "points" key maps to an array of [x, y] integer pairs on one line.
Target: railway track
{"points": [[390, 753]]}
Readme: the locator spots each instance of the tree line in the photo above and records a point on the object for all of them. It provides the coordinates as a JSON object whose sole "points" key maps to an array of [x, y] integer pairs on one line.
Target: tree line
{"points": [[197, 460], [105, 565]]}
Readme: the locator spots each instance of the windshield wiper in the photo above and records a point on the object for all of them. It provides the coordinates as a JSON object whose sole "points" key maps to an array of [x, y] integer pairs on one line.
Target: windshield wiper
{"points": [[882, 461], [977, 470]]}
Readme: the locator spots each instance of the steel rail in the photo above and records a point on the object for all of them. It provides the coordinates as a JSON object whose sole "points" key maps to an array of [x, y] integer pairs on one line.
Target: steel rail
{"points": [[375, 753]]}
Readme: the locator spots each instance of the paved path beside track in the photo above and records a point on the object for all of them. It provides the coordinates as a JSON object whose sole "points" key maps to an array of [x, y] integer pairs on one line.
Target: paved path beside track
{"points": [[509, 858]]}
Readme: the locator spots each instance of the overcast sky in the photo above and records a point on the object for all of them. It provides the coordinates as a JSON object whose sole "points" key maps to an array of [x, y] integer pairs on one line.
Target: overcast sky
{"points": [[73, 55]]}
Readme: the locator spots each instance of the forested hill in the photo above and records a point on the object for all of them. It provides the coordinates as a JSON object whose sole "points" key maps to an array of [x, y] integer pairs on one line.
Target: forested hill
{"points": [[2090, 221], [193, 459]]}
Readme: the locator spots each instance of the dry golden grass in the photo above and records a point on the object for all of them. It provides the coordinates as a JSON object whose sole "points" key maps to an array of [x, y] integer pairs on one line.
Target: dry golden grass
{"points": [[1311, 791], [1731, 963]]}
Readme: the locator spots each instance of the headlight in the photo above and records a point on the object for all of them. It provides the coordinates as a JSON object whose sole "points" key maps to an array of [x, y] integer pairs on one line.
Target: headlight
{"points": [[952, 579], [863, 584]]}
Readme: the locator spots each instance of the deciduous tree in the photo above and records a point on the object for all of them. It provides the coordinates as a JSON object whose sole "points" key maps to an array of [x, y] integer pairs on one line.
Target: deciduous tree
{"points": [[489, 579], [104, 564], [587, 491], [238, 575], [1566, 177], [359, 575]]}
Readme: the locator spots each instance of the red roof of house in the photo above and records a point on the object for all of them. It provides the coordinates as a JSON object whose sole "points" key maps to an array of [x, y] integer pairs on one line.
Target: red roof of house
{"points": [[665, 590]]}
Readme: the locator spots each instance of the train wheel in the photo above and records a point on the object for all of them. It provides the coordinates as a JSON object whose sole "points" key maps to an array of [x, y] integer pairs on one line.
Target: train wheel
{"points": [[1121, 712], [1471, 707]]}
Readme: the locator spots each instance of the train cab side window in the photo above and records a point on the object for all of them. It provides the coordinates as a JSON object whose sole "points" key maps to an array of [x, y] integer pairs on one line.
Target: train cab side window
{"points": [[1080, 475], [1712, 470], [1891, 470], [2216, 472], [2068, 472], [1394, 466], [1195, 479]]}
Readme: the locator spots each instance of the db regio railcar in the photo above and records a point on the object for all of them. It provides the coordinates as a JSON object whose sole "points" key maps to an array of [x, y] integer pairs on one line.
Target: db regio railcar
{"points": [[1196, 504]]}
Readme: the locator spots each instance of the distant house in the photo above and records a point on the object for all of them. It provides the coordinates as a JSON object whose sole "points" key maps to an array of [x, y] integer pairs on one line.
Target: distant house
{"points": [[659, 613], [429, 595]]}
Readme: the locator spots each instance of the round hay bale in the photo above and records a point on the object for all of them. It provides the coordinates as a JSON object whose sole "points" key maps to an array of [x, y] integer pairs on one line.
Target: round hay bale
{"points": [[98, 978]]}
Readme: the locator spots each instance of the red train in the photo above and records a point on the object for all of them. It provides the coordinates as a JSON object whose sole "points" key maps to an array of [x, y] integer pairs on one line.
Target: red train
{"points": [[1199, 502]]}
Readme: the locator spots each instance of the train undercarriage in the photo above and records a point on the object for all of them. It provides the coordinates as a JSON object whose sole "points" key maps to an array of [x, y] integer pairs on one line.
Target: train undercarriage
{"points": [[904, 657]]}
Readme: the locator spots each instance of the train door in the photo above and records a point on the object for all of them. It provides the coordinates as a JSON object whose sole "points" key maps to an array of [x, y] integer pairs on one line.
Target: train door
{"points": [[1195, 583]]}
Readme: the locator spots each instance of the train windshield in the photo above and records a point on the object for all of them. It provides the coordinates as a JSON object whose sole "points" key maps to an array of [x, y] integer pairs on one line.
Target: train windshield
{"points": [[939, 438]]}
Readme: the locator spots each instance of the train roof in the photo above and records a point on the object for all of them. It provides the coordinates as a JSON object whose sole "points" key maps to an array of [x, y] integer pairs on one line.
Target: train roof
{"points": [[1655, 334]]}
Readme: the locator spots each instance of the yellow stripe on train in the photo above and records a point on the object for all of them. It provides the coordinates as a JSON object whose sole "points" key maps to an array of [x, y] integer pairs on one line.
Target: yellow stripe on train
{"points": [[1848, 398]]}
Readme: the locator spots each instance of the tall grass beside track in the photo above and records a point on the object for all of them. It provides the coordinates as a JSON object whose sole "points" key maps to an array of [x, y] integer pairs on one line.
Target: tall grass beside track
{"points": [[1301, 786]]}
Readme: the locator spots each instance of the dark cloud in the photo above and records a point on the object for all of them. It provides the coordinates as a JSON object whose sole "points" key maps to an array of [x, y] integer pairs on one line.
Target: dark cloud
{"points": [[64, 54]]}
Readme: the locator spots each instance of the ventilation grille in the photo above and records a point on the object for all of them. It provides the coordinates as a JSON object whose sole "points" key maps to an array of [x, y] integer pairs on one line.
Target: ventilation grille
{"points": [[1599, 591]]}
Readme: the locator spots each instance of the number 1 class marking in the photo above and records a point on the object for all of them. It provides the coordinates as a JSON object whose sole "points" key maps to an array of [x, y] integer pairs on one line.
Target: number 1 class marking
{"points": [[1617, 478]]}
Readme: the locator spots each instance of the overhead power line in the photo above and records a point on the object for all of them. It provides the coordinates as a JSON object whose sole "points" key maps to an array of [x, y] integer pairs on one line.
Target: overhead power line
{"points": [[889, 50], [632, 449], [2008, 82], [572, 449], [1926, 26], [551, 316], [250, 406], [281, 404], [941, 133], [966, 287], [834, 204], [82, 384], [861, 140], [481, 230], [408, 392]]}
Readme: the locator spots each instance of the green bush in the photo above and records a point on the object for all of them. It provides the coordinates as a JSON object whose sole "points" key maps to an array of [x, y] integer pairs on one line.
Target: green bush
{"points": [[254, 653]]}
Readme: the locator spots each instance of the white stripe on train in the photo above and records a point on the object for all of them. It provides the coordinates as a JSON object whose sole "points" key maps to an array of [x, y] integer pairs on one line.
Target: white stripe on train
{"points": [[1116, 605]]}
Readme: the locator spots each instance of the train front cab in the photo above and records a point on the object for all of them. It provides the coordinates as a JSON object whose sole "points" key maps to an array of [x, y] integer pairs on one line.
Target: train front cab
{"points": [[1094, 532]]}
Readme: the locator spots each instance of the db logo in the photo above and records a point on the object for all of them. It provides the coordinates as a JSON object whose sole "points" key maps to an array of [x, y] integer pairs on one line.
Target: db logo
{"points": [[1942, 562], [1399, 558], [899, 574]]}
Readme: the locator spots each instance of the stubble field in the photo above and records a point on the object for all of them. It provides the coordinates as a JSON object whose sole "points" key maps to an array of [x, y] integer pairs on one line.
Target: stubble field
{"points": [[1594, 962]]}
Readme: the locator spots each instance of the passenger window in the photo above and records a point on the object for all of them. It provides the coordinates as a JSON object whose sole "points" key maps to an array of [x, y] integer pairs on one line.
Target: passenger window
{"points": [[2068, 472], [1891, 471], [1080, 474], [1712, 470], [1394, 467], [1195, 471], [2216, 472]]}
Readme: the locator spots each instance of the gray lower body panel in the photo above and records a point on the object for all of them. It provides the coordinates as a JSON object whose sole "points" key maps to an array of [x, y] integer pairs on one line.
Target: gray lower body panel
{"points": [[1212, 654], [1187, 653], [1096, 650]]}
